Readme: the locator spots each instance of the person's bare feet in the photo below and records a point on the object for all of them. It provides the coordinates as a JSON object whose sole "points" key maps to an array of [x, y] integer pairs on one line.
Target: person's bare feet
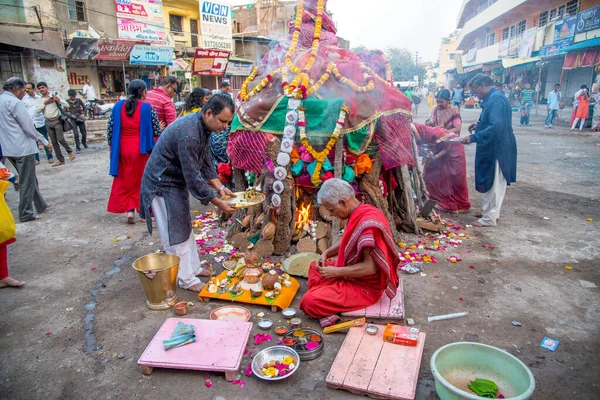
{"points": [[196, 288], [71, 156], [58, 164], [48, 206], [10, 282], [130, 218], [204, 272], [478, 224]]}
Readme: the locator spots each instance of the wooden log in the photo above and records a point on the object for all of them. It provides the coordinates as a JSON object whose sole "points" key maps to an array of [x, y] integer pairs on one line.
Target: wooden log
{"points": [[322, 230], [240, 241], [307, 245], [338, 163], [324, 214], [322, 245], [285, 219], [268, 231], [407, 196], [264, 248]]}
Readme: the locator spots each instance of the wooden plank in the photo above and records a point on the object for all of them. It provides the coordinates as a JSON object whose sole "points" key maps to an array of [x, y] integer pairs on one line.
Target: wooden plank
{"points": [[345, 357], [365, 360], [397, 304], [397, 370], [385, 310], [219, 346]]}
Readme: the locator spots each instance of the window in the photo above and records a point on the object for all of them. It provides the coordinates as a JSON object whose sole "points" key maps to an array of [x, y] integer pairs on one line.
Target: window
{"points": [[505, 33], [561, 11], [452, 56], [553, 14], [543, 18], [194, 30], [572, 7], [521, 26], [176, 24], [513, 31], [490, 39], [76, 10]]}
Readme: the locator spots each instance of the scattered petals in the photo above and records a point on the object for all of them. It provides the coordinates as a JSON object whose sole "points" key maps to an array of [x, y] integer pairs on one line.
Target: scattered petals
{"points": [[589, 219], [462, 299], [472, 266], [48, 333], [248, 370], [569, 268], [435, 276], [93, 268], [208, 383], [137, 288], [69, 308], [260, 338]]}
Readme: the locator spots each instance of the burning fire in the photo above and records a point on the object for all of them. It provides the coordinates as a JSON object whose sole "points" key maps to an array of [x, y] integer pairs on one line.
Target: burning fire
{"points": [[302, 216]]}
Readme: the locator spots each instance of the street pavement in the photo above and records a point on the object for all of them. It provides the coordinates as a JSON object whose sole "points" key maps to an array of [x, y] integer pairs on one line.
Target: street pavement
{"points": [[78, 327]]}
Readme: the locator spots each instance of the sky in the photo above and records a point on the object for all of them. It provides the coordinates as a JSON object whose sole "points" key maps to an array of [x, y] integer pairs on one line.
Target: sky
{"points": [[417, 25]]}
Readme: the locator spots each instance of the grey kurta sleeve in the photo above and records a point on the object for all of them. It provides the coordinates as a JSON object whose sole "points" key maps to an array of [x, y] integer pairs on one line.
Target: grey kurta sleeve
{"points": [[208, 168], [189, 153]]}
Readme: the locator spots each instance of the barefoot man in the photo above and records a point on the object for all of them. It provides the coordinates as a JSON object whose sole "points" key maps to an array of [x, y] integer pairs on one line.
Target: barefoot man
{"points": [[496, 153], [181, 163], [366, 263]]}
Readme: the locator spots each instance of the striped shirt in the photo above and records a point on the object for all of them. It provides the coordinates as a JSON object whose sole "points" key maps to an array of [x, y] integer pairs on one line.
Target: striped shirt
{"points": [[527, 96], [163, 104]]}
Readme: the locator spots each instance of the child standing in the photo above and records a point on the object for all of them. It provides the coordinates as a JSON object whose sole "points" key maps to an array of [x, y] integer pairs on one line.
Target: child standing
{"points": [[524, 114]]}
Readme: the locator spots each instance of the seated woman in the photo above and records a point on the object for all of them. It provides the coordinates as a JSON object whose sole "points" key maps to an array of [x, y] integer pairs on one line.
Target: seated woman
{"points": [[367, 259], [445, 115], [445, 171]]}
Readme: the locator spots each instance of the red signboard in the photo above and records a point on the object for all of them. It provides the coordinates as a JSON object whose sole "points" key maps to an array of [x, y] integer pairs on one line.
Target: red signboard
{"points": [[210, 62], [99, 49]]}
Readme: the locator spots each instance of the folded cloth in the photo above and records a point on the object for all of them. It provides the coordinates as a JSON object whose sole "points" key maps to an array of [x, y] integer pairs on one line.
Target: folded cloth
{"points": [[183, 334]]}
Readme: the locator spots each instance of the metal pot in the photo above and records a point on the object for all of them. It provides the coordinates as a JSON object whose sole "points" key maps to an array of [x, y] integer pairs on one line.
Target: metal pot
{"points": [[158, 275]]}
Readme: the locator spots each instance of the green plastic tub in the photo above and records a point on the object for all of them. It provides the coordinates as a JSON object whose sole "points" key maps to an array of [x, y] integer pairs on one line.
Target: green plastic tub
{"points": [[455, 365]]}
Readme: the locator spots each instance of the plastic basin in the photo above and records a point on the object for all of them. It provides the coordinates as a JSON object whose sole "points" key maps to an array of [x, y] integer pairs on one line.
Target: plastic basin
{"points": [[455, 365]]}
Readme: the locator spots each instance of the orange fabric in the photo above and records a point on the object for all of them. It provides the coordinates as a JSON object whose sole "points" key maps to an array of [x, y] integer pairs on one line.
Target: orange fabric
{"points": [[284, 300], [294, 155], [363, 165], [5, 173], [583, 109]]}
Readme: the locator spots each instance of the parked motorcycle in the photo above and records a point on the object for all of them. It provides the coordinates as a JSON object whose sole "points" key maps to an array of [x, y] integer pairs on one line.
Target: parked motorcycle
{"points": [[98, 109]]}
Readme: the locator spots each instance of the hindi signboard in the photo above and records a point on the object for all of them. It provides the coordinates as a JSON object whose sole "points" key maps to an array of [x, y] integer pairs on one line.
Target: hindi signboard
{"points": [[99, 49], [141, 20], [142, 54], [588, 20], [237, 68], [216, 25], [210, 62]]}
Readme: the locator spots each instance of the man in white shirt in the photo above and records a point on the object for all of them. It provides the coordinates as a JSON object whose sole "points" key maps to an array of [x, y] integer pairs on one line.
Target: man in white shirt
{"points": [[88, 90], [554, 98], [39, 121], [18, 141]]}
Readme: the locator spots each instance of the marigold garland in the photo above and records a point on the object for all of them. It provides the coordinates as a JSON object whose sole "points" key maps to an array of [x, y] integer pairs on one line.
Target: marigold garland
{"points": [[320, 156]]}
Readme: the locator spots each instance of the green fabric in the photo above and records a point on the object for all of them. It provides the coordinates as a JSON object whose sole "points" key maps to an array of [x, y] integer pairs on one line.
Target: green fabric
{"points": [[355, 140], [255, 238], [484, 388], [183, 334], [297, 168], [327, 166], [321, 117], [348, 174]]}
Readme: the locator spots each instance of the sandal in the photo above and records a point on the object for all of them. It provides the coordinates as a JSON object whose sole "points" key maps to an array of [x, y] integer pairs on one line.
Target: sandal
{"points": [[329, 321]]}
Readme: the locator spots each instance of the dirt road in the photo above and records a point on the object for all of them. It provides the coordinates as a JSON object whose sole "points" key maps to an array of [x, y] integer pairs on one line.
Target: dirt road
{"points": [[78, 327]]}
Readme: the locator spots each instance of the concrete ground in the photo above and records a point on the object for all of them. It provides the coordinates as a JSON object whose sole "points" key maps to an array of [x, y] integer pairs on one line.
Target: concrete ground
{"points": [[78, 327]]}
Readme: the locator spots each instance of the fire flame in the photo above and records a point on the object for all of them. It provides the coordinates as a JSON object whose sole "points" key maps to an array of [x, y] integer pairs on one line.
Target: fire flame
{"points": [[302, 216]]}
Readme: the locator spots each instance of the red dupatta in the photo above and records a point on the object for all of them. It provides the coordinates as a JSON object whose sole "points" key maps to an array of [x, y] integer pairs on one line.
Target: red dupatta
{"points": [[369, 229]]}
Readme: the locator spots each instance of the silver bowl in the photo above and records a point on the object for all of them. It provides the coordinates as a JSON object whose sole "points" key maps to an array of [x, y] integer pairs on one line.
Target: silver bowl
{"points": [[273, 353]]}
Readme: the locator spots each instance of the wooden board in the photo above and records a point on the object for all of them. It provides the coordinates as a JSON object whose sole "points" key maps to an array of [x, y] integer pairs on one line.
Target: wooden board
{"points": [[219, 347], [384, 311], [367, 365], [284, 300]]}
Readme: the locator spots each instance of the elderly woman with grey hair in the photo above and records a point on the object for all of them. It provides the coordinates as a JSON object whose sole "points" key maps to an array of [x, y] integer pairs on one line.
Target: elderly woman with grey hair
{"points": [[367, 259]]}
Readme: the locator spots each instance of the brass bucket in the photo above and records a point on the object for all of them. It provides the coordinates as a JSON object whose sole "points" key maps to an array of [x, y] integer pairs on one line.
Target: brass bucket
{"points": [[158, 274]]}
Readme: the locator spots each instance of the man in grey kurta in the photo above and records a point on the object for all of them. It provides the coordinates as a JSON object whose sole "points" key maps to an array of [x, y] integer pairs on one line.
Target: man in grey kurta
{"points": [[181, 163], [19, 139]]}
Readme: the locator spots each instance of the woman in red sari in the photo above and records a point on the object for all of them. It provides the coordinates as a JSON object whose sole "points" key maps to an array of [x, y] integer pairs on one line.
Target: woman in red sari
{"points": [[367, 259], [445, 170], [132, 127], [445, 115]]}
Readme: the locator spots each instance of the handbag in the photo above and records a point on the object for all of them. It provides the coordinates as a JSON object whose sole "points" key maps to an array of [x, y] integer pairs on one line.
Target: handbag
{"points": [[7, 222], [64, 118]]}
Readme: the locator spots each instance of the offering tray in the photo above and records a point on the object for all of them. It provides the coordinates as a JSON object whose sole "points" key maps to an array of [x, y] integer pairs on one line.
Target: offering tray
{"points": [[245, 199], [304, 353]]}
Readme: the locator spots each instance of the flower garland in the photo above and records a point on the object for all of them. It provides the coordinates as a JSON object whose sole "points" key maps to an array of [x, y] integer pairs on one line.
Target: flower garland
{"points": [[321, 156], [357, 88]]}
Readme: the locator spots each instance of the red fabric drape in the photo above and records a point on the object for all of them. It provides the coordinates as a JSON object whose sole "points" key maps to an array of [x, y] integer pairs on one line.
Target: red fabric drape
{"points": [[571, 61]]}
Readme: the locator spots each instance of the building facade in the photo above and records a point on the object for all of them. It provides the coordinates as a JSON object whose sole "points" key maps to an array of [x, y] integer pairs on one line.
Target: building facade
{"points": [[529, 41]]}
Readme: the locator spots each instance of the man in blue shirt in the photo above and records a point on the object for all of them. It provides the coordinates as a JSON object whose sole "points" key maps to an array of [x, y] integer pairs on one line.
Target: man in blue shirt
{"points": [[553, 105], [458, 95], [496, 154]]}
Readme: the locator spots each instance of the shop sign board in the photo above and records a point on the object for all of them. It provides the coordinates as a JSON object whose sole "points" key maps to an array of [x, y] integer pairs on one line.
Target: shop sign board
{"points": [[564, 31], [588, 20], [210, 62], [141, 20], [236, 68], [216, 25], [143, 54], [99, 49]]}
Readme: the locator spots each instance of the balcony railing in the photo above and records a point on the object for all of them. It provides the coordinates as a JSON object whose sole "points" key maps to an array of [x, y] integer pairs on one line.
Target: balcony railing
{"points": [[480, 9]]}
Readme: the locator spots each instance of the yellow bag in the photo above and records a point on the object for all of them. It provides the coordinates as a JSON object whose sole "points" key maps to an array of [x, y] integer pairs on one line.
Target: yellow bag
{"points": [[7, 222]]}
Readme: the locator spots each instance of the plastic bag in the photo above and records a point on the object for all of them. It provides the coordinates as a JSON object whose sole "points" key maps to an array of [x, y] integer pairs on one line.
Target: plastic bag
{"points": [[7, 222]]}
